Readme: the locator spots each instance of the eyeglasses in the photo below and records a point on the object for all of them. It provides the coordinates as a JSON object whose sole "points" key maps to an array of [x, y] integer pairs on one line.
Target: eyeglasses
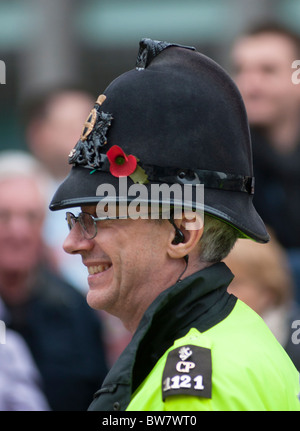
{"points": [[86, 221]]}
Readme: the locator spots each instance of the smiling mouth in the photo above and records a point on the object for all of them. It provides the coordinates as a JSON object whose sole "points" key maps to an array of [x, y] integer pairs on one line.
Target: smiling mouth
{"points": [[97, 269]]}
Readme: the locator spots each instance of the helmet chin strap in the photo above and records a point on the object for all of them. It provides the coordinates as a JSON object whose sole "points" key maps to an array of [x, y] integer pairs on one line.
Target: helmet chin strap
{"points": [[179, 237]]}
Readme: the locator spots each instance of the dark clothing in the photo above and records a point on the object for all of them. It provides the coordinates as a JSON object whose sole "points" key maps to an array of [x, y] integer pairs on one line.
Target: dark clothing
{"points": [[277, 197], [64, 336], [277, 189]]}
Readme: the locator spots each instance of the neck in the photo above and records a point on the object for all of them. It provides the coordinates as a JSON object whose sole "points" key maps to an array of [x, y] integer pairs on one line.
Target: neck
{"points": [[180, 271]]}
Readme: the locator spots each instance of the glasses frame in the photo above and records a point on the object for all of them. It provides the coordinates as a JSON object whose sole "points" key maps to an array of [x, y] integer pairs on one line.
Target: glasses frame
{"points": [[70, 216]]}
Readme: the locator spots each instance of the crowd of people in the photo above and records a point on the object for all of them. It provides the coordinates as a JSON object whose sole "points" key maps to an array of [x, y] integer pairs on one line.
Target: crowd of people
{"points": [[58, 350], [69, 346]]}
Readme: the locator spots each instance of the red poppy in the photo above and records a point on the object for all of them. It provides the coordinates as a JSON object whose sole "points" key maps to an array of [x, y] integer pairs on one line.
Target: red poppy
{"points": [[121, 165]]}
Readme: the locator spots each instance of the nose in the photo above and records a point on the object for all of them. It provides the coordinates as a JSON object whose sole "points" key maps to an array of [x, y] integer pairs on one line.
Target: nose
{"points": [[76, 243]]}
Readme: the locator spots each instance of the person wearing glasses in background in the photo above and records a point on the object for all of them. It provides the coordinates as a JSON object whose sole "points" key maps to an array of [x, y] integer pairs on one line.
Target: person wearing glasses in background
{"points": [[176, 120]]}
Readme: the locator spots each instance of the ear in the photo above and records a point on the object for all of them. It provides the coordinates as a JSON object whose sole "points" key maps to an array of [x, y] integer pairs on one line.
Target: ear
{"points": [[191, 225]]}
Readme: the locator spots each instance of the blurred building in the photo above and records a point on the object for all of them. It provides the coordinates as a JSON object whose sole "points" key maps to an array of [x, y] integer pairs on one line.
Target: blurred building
{"points": [[47, 43]]}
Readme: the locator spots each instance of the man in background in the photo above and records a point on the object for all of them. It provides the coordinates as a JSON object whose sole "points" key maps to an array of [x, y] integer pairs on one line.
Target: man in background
{"points": [[62, 332], [51, 121], [262, 68]]}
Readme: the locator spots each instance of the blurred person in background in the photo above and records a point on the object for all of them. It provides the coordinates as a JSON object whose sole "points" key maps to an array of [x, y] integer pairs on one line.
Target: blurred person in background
{"points": [[20, 382], [62, 332], [53, 121], [262, 68], [264, 282]]}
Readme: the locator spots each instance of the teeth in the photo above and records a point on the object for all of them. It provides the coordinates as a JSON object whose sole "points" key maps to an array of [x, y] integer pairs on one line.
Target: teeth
{"points": [[96, 269]]}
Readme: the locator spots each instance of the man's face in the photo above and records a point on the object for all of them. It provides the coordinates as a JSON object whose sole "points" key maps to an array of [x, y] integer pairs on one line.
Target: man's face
{"points": [[263, 73], [127, 263], [52, 138], [21, 220]]}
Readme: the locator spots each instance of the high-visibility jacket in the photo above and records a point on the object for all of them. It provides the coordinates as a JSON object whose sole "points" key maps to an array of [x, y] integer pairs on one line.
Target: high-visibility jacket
{"points": [[249, 370], [199, 348]]}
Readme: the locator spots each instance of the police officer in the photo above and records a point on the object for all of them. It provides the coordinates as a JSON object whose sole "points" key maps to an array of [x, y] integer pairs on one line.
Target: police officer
{"points": [[177, 120]]}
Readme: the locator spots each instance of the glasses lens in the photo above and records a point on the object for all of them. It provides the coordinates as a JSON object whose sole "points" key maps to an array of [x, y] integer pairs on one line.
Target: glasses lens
{"points": [[71, 220], [88, 224]]}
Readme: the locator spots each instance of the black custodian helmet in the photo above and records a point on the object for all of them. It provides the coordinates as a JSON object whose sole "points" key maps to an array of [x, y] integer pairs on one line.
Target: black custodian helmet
{"points": [[177, 118]]}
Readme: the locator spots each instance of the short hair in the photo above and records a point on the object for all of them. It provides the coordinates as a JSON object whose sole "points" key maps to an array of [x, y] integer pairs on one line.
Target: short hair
{"points": [[278, 29], [36, 106], [217, 240]]}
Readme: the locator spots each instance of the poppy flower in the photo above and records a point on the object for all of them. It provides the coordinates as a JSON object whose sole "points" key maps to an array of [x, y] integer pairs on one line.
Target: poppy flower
{"points": [[121, 165]]}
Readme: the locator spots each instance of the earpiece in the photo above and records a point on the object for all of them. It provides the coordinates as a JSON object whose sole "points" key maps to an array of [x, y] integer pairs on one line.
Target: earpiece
{"points": [[179, 237]]}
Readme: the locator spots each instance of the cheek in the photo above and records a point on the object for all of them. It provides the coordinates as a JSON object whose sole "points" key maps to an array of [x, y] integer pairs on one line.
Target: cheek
{"points": [[134, 264], [145, 260], [134, 253]]}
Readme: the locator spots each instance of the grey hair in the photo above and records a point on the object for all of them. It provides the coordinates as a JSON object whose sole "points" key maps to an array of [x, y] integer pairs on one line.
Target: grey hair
{"points": [[19, 164], [217, 240]]}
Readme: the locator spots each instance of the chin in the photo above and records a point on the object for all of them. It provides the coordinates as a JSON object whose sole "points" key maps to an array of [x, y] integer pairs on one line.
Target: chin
{"points": [[92, 301], [97, 301]]}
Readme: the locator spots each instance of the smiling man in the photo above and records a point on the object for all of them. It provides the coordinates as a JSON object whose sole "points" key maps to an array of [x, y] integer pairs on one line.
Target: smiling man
{"points": [[130, 262], [176, 119]]}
